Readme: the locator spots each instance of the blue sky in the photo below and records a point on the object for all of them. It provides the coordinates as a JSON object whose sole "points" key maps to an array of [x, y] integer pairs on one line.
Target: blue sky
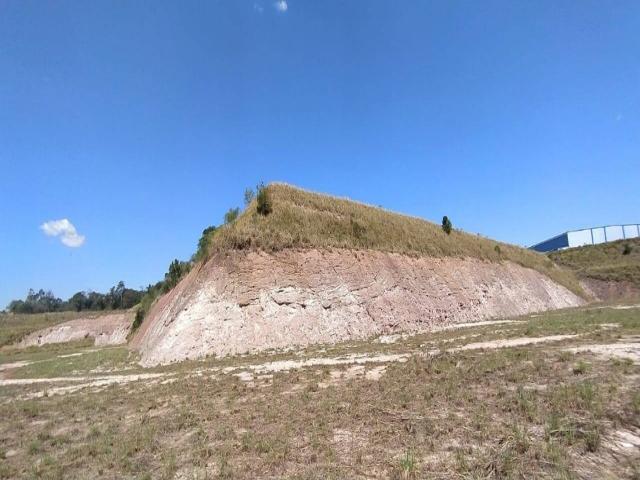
{"points": [[142, 122]]}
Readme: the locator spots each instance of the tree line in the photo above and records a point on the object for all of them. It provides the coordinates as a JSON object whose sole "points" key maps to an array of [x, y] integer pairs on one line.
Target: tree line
{"points": [[41, 301]]}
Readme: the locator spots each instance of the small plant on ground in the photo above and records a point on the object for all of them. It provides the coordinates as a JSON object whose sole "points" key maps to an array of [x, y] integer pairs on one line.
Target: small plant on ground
{"points": [[581, 367], [447, 226], [627, 249], [408, 465], [592, 438]]}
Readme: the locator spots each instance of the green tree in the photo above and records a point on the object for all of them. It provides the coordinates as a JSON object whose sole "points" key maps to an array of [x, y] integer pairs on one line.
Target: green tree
{"points": [[447, 226], [78, 301], [115, 295]]}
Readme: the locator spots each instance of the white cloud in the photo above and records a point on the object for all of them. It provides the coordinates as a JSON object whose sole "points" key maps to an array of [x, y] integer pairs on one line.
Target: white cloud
{"points": [[64, 229], [281, 5]]}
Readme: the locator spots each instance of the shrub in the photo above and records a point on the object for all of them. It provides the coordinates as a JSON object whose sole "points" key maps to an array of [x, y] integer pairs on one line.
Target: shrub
{"points": [[177, 270], [627, 249], [447, 226], [231, 215], [581, 367], [498, 250], [140, 313], [263, 201], [203, 243], [248, 196], [357, 229]]}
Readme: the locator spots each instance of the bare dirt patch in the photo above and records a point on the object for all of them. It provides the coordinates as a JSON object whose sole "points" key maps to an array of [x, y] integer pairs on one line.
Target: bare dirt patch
{"points": [[511, 342], [622, 349]]}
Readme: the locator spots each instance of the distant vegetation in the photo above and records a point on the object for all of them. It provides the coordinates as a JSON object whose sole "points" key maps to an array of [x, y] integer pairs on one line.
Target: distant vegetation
{"points": [[41, 301], [614, 261]]}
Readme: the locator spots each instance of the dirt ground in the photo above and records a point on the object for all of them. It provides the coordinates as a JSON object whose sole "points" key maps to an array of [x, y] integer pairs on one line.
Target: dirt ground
{"points": [[555, 395]]}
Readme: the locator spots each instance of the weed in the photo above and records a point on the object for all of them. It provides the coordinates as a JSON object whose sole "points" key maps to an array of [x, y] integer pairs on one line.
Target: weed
{"points": [[34, 447], [581, 367], [408, 464], [592, 438]]}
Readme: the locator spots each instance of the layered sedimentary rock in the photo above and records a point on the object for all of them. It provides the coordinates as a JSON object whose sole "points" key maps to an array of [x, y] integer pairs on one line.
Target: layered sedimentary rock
{"points": [[111, 329], [247, 301]]}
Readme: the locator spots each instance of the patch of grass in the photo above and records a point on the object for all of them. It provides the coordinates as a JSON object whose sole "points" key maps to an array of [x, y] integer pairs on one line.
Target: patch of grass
{"points": [[34, 447], [408, 465], [99, 360]]}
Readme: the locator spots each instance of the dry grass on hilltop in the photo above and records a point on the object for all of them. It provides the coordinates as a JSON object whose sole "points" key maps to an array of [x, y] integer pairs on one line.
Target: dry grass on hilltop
{"points": [[302, 219]]}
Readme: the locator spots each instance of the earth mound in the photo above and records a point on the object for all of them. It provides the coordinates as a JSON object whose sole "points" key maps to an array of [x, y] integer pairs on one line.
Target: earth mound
{"points": [[319, 269]]}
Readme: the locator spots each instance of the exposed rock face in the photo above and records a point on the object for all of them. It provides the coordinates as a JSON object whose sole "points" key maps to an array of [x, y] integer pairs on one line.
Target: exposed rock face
{"points": [[610, 291], [244, 302], [109, 329]]}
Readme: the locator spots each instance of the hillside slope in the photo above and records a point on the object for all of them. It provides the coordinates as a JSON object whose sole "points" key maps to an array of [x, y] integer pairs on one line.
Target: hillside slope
{"points": [[611, 270], [321, 269]]}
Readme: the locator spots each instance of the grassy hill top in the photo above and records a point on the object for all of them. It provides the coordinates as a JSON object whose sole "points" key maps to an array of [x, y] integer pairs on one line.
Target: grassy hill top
{"points": [[614, 261], [302, 219]]}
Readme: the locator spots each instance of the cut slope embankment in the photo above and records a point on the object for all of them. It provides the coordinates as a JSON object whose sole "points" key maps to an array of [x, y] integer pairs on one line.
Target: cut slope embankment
{"points": [[110, 329], [610, 271], [242, 301]]}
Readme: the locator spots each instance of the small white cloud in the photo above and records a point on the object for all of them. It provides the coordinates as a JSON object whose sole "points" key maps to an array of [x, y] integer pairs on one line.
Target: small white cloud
{"points": [[281, 5], [64, 229], [258, 8]]}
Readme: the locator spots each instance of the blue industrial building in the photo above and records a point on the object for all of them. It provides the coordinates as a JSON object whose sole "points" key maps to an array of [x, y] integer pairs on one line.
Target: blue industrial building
{"points": [[588, 236]]}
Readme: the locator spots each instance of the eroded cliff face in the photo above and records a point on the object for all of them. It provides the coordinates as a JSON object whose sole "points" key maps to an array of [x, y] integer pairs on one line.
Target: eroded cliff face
{"points": [[111, 329], [243, 302]]}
